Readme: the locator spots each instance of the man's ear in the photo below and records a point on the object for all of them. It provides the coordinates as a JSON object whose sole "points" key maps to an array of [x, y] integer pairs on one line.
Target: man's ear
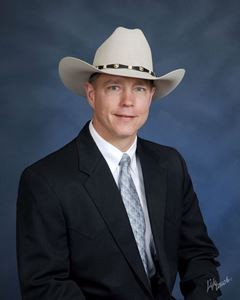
{"points": [[153, 92], [90, 93]]}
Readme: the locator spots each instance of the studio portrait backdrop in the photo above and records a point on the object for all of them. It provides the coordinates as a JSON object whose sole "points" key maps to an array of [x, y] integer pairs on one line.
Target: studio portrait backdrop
{"points": [[200, 118]]}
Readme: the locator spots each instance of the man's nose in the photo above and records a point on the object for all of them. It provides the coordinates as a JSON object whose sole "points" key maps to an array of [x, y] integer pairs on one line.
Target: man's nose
{"points": [[127, 98]]}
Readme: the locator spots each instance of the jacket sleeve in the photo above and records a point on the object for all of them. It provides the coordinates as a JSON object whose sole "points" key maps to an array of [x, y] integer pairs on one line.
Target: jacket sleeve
{"points": [[197, 253], [42, 246]]}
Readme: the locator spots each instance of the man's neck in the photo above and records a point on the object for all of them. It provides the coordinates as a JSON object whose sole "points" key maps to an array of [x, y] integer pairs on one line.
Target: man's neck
{"points": [[122, 144]]}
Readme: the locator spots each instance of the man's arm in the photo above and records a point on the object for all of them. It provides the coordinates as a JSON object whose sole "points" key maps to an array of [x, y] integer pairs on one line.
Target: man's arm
{"points": [[42, 248], [197, 253]]}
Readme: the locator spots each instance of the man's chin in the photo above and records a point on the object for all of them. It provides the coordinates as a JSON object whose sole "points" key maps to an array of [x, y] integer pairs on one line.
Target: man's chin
{"points": [[129, 138]]}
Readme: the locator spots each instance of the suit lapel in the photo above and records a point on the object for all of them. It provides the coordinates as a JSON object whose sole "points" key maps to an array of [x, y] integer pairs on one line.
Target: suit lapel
{"points": [[104, 192], [155, 183]]}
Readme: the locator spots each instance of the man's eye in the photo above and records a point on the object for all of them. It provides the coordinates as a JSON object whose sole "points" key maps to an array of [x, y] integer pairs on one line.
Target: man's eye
{"points": [[140, 89], [113, 88]]}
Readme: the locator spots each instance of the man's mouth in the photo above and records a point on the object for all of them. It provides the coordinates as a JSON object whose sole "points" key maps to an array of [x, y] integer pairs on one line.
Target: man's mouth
{"points": [[124, 116]]}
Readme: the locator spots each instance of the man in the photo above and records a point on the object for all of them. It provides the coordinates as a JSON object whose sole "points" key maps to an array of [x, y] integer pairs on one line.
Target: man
{"points": [[110, 215]]}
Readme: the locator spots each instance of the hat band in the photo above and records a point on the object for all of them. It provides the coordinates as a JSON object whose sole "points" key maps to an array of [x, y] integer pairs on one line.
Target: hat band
{"points": [[129, 67]]}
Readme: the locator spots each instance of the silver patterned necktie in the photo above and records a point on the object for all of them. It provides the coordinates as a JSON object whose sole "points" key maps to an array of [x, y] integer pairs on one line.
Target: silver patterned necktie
{"points": [[133, 207]]}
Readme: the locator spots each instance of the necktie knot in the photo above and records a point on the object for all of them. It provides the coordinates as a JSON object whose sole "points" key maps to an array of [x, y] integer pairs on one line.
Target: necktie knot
{"points": [[125, 161]]}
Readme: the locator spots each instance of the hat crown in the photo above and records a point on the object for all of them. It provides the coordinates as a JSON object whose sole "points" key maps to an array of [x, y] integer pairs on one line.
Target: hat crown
{"points": [[125, 46]]}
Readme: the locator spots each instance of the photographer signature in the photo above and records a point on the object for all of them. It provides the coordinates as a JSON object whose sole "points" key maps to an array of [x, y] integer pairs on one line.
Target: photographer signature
{"points": [[213, 284]]}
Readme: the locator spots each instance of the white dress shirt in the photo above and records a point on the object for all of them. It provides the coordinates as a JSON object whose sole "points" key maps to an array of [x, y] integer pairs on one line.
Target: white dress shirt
{"points": [[113, 156]]}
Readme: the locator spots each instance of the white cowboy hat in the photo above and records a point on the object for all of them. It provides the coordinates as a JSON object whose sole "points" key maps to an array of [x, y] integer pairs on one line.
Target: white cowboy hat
{"points": [[125, 53]]}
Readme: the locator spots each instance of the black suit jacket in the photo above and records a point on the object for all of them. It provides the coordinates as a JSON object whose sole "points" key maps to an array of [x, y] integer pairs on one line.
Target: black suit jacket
{"points": [[74, 239]]}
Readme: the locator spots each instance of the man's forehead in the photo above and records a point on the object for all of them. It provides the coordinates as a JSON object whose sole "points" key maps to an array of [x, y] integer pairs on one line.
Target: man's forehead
{"points": [[107, 78]]}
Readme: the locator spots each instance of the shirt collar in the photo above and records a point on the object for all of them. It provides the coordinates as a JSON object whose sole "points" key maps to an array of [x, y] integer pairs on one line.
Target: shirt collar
{"points": [[112, 154]]}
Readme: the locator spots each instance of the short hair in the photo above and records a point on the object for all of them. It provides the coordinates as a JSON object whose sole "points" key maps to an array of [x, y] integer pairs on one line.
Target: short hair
{"points": [[92, 79]]}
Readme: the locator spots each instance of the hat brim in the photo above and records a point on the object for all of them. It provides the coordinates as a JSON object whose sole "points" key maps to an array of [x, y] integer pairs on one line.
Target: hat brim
{"points": [[75, 72]]}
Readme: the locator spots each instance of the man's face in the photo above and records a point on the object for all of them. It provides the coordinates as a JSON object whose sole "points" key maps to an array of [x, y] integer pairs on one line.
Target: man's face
{"points": [[120, 107]]}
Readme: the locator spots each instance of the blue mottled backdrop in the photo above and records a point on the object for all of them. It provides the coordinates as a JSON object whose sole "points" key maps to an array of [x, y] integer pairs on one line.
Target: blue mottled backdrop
{"points": [[201, 118]]}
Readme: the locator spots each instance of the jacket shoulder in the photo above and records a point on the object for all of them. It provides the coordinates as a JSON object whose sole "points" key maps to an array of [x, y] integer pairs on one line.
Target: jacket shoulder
{"points": [[162, 152], [56, 162]]}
